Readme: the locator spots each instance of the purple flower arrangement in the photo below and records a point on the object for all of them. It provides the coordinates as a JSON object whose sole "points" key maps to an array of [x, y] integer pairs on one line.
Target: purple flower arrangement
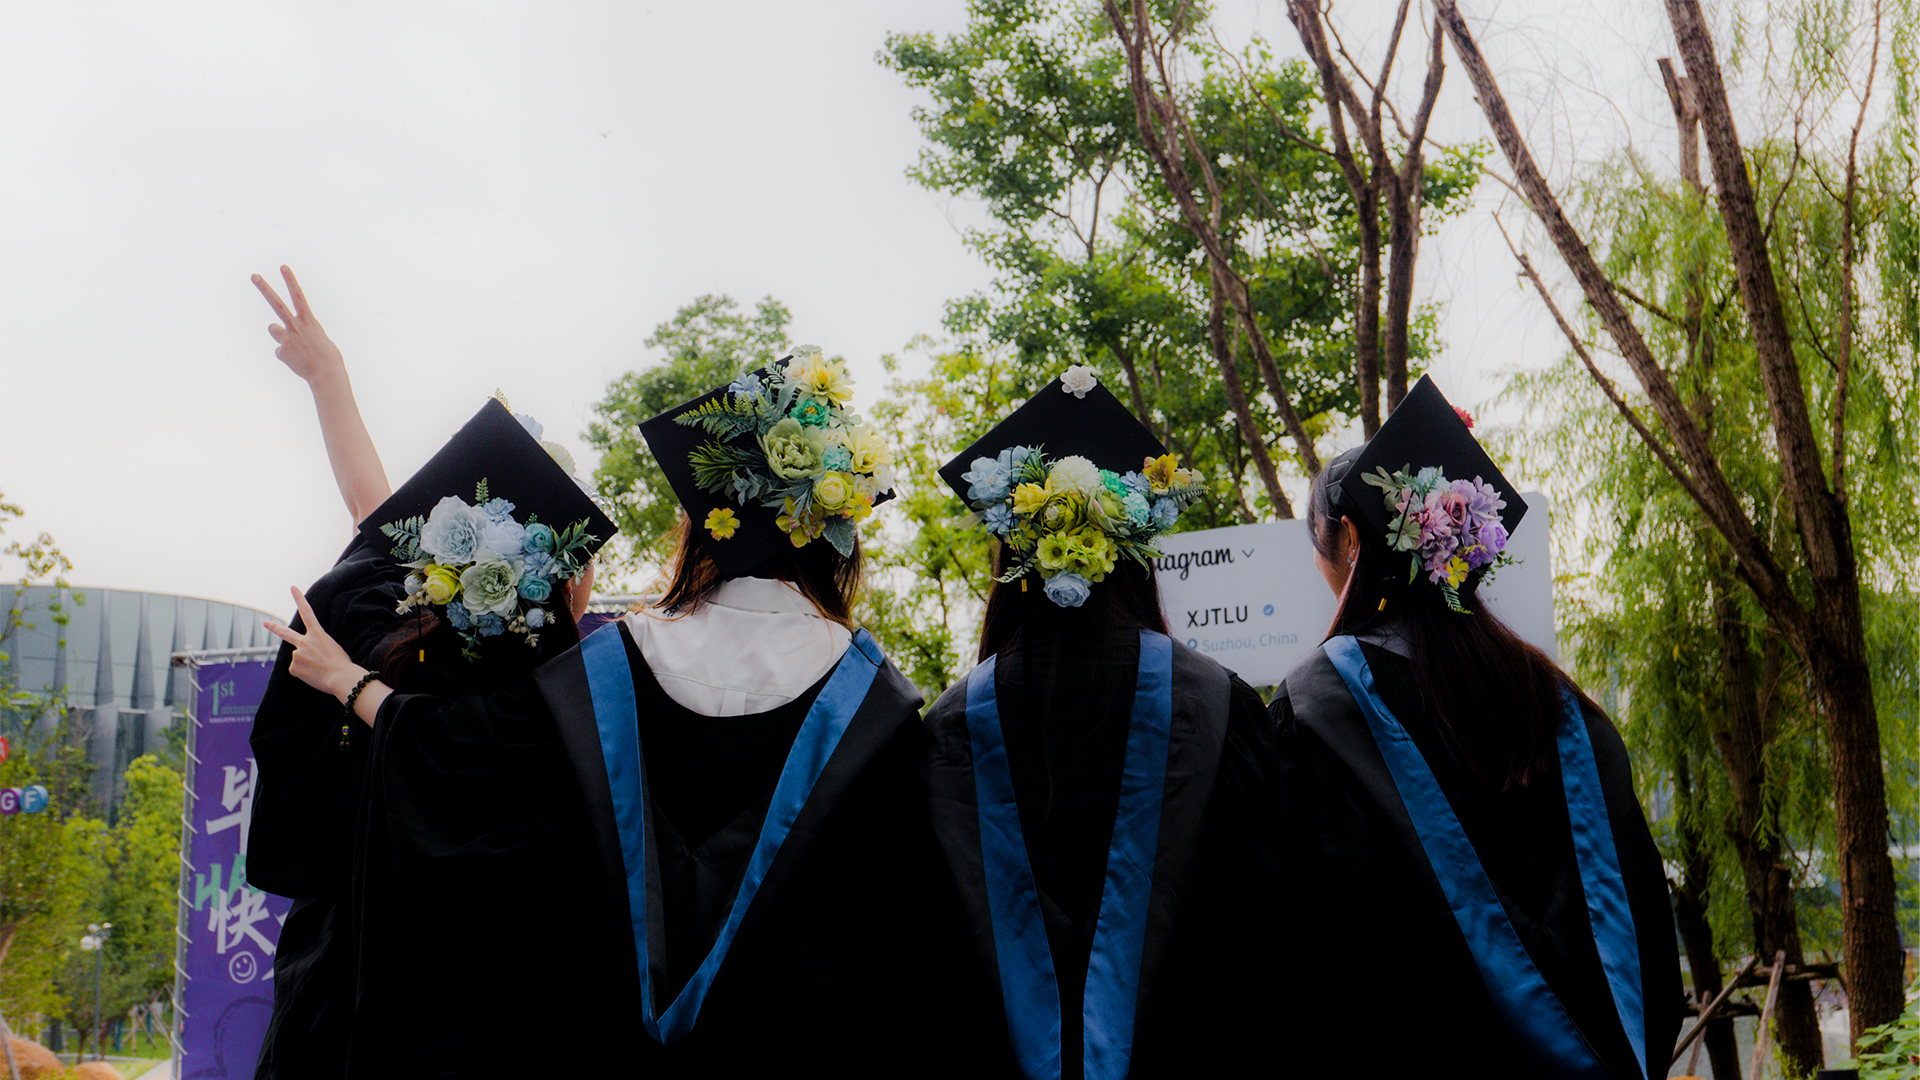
{"points": [[1451, 527]]}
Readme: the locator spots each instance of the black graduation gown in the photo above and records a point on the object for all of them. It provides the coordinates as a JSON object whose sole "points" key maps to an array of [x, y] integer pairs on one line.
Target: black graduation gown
{"points": [[843, 956], [305, 800], [1210, 984], [1392, 980]]}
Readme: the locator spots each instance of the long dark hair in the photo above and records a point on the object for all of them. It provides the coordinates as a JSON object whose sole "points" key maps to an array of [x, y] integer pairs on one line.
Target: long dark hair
{"points": [[422, 653], [822, 574], [1020, 611], [1495, 699]]}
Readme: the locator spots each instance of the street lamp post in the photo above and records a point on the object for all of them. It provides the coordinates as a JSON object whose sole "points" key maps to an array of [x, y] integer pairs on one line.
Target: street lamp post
{"points": [[96, 943]]}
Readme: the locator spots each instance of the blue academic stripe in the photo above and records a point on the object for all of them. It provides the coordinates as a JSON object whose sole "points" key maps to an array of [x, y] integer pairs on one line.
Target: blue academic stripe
{"points": [[1028, 985], [1600, 879], [610, 684], [1521, 994]]}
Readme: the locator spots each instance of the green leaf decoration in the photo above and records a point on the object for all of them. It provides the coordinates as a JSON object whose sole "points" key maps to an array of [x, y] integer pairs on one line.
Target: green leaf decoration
{"points": [[405, 535], [840, 532], [716, 464], [480, 492], [725, 417]]}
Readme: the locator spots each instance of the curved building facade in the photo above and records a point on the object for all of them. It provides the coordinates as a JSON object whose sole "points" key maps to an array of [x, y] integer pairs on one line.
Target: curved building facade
{"points": [[108, 668]]}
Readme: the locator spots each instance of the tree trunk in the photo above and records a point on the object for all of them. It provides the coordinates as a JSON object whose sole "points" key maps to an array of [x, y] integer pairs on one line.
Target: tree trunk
{"points": [[1218, 340], [1830, 637], [1696, 934], [1745, 736], [1835, 648]]}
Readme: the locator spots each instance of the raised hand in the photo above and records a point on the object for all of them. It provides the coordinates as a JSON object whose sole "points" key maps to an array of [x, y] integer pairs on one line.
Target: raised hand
{"points": [[304, 345], [321, 663], [306, 348]]}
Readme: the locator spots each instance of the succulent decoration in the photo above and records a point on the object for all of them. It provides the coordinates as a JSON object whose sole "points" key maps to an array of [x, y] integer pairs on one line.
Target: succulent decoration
{"points": [[809, 456]]}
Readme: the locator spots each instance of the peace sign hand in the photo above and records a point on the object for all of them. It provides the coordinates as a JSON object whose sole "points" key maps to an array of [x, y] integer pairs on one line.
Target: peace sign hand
{"points": [[304, 346], [318, 660]]}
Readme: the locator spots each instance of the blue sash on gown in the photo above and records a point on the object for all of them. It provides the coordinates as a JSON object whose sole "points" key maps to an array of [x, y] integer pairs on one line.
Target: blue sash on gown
{"points": [[1028, 986], [610, 683], [1521, 994]]}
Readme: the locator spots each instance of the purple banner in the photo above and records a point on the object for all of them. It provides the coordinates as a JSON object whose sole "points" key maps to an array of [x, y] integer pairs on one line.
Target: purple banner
{"points": [[228, 931]]}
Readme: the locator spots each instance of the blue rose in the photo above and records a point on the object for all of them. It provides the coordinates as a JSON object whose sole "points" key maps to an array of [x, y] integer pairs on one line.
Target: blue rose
{"points": [[1137, 482], [452, 532], [497, 509], [1068, 589], [1165, 513], [458, 616], [491, 625], [989, 479], [999, 518], [536, 589], [537, 564], [536, 618], [539, 538]]}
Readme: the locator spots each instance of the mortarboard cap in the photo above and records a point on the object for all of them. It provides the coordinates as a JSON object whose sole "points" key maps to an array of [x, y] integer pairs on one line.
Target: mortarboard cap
{"points": [[1096, 427], [1423, 431], [757, 538], [495, 447]]}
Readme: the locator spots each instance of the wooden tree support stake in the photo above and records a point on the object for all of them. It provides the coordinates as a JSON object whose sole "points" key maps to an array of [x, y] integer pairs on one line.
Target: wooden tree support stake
{"points": [[1700, 1026], [1766, 1016]]}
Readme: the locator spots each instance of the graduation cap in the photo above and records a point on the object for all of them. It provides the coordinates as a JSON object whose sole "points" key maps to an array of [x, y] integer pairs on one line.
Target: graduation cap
{"points": [[1096, 427], [495, 447], [1423, 431], [757, 538]]}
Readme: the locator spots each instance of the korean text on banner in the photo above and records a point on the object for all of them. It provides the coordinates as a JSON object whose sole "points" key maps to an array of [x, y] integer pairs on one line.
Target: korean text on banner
{"points": [[228, 930]]}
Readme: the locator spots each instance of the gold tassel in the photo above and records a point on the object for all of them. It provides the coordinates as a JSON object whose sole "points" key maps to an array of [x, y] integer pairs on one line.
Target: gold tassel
{"points": [[423, 656], [1383, 604], [1023, 584]]}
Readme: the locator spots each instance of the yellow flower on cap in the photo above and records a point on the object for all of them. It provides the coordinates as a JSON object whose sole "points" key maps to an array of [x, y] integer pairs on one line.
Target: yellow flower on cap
{"points": [[1028, 499], [833, 491], [800, 528], [442, 583], [1162, 473], [721, 522], [819, 377]]}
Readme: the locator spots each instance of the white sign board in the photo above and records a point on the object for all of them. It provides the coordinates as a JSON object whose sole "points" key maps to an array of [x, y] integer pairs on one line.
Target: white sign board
{"points": [[1250, 597]]}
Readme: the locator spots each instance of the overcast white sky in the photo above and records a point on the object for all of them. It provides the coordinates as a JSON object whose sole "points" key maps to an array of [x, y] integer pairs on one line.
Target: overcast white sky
{"points": [[513, 195]]}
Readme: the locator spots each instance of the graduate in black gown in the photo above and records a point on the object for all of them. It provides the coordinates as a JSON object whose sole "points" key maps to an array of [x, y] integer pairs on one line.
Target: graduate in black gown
{"points": [[319, 831], [1104, 794], [1478, 888], [760, 889]]}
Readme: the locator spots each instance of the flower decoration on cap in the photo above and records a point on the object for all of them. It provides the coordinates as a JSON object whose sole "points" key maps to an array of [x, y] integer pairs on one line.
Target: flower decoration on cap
{"points": [[1452, 527], [810, 457], [1071, 521], [494, 574]]}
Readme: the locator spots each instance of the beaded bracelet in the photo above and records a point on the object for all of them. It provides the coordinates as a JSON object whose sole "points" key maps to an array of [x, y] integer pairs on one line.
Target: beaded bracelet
{"points": [[346, 724]]}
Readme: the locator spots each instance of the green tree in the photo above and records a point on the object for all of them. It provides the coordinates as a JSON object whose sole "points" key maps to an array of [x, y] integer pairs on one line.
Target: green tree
{"points": [[1818, 227], [704, 345], [1098, 261], [1721, 693]]}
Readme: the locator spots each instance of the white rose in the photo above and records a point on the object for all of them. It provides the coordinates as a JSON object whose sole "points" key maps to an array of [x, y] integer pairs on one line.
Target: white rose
{"points": [[452, 532], [1078, 379], [1074, 474], [883, 478], [506, 536], [533, 426], [559, 454]]}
